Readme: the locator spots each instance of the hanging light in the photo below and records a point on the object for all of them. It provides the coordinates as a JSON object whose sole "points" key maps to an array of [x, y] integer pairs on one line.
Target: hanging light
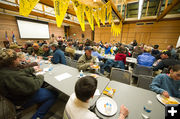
{"points": [[140, 8]]}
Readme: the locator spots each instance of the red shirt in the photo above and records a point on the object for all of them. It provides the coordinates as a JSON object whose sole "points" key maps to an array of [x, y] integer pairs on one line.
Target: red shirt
{"points": [[120, 57]]}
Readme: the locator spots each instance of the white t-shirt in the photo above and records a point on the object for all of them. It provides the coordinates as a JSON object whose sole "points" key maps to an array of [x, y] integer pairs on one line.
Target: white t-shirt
{"points": [[77, 109]]}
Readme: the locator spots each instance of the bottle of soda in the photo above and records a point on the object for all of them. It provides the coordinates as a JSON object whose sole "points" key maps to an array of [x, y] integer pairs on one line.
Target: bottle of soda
{"points": [[147, 110]]}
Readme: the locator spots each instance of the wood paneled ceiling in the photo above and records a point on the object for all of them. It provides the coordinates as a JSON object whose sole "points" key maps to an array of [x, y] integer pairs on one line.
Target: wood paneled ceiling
{"points": [[122, 9]]}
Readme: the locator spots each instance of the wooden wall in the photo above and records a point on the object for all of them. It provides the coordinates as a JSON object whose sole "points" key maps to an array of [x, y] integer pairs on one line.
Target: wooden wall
{"points": [[9, 24], [163, 33], [77, 30]]}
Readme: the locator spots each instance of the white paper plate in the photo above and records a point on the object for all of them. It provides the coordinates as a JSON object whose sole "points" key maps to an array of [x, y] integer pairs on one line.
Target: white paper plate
{"points": [[100, 105], [160, 98]]}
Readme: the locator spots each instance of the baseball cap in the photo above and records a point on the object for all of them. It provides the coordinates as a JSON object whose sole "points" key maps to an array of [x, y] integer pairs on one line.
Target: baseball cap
{"points": [[166, 53], [35, 44]]}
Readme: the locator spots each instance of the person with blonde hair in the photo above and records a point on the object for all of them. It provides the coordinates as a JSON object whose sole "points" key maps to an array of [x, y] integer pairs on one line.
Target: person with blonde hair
{"points": [[146, 59], [22, 87]]}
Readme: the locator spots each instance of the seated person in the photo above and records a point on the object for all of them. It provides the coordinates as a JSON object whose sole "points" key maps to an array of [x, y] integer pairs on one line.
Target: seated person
{"points": [[168, 84], [96, 54], [108, 49], [47, 52], [27, 45], [137, 51], [78, 103], [86, 61], [146, 59], [58, 55], [121, 56], [15, 47], [80, 47], [25, 63], [70, 50], [165, 61], [22, 87], [172, 51], [155, 52], [36, 50]]}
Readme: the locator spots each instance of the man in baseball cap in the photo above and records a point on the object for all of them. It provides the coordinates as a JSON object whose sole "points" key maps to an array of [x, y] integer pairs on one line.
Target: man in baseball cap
{"points": [[86, 60]]}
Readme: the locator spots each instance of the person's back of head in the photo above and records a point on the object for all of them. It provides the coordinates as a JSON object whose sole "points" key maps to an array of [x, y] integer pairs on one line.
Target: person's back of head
{"points": [[52, 35], [122, 50], [156, 46], [85, 88], [147, 50]]}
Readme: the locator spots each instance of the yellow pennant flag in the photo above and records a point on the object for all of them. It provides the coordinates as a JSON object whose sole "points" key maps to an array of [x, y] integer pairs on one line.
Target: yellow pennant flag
{"points": [[109, 11], [116, 29], [79, 9], [89, 15], [60, 8], [103, 14], [26, 6], [96, 16]]}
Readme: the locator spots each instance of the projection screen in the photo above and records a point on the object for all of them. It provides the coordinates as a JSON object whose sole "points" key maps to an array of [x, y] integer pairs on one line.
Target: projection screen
{"points": [[32, 29]]}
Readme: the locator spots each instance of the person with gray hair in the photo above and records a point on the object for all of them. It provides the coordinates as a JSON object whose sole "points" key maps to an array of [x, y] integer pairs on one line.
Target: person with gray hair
{"points": [[58, 55]]}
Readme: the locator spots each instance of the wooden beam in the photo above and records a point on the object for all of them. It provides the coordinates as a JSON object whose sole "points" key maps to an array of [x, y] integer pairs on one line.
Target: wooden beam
{"points": [[116, 11], [116, 1], [159, 7], [147, 7], [16, 1], [43, 9], [122, 6], [169, 8], [125, 11], [166, 4], [16, 9], [51, 4]]}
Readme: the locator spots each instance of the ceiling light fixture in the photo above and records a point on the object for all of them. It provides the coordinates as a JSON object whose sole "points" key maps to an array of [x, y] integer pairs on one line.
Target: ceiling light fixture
{"points": [[140, 8]]}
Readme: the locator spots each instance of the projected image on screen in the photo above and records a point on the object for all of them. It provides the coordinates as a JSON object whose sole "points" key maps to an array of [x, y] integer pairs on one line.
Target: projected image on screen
{"points": [[33, 30]]}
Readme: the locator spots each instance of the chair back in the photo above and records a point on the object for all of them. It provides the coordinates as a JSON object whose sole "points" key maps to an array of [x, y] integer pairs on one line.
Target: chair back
{"points": [[73, 63], [68, 60], [120, 75], [144, 81], [7, 109], [142, 70]]}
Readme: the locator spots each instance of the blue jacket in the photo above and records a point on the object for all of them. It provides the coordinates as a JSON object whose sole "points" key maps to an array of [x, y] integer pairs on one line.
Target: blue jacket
{"points": [[96, 54], [112, 63], [146, 59], [58, 57], [108, 50], [163, 82]]}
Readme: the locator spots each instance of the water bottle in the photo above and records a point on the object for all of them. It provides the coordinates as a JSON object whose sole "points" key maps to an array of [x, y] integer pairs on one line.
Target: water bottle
{"points": [[81, 74], [35, 56], [147, 110], [50, 68]]}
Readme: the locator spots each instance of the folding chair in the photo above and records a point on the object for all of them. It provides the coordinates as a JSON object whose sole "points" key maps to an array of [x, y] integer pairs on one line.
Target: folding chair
{"points": [[68, 60], [120, 75], [142, 70], [144, 81], [7, 109]]}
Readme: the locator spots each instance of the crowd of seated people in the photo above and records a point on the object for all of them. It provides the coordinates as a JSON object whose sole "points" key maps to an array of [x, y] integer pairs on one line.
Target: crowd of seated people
{"points": [[13, 63]]}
